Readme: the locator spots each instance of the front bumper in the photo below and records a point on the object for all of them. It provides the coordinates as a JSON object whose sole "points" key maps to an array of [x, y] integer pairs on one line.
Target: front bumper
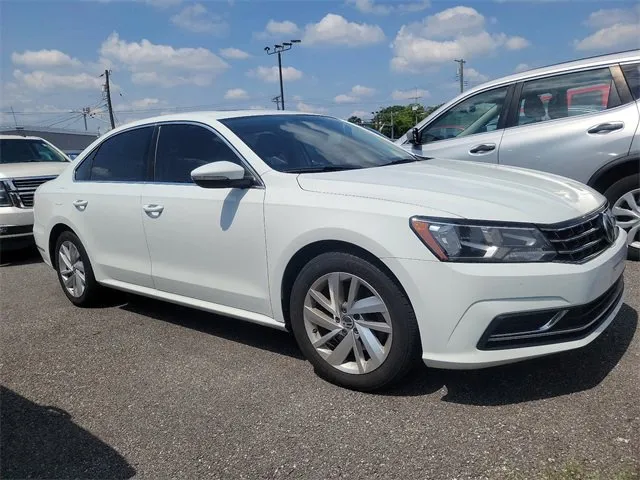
{"points": [[456, 303], [15, 222]]}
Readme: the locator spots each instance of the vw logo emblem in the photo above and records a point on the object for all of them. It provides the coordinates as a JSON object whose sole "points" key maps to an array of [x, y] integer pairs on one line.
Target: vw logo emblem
{"points": [[609, 226]]}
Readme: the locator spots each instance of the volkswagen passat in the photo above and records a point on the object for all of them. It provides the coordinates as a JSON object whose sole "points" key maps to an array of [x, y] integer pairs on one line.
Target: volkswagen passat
{"points": [[371, 256]]}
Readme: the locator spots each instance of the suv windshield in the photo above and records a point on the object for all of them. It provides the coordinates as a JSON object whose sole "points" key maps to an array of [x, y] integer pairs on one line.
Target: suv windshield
{"points": [[306, 143], [19, 151]]}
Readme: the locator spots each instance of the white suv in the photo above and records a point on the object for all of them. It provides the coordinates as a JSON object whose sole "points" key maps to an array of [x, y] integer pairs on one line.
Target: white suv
{"points": [[371, 256], [25, 164]]}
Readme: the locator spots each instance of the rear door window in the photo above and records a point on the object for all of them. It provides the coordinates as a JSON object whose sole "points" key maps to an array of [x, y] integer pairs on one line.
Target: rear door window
{"points": [[632, 75]]}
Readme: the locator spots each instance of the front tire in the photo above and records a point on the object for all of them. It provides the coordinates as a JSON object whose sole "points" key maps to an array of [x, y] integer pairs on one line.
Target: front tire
{"points": [[353, 322], [624, 198], [74, 271]]}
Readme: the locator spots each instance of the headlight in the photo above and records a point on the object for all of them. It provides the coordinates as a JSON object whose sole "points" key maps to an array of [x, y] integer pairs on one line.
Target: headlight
{"points": [[5, 200], [473, 241]]}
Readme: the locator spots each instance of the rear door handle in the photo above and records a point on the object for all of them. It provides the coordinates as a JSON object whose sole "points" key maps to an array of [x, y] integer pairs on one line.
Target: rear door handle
{"points": [[153, 210], [80, 204], [483, 148], [606, 127]]}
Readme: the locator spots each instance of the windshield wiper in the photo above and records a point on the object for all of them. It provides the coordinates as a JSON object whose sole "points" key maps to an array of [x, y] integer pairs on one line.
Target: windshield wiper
{"points": [[321, 168], [400, 161]]}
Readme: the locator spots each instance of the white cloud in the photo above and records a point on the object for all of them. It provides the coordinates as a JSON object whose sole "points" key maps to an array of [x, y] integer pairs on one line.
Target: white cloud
{"points": [[357, 91], [410, 94], [521, 67], [362, 91], [271, 74], [275, 28], [297, 98], [345, 99], [162, 3], [43, 80], [372, 6], [457, 32], [141, 104], [517, 43], [234, 54], [196, 18], [473, 76], [44, 58], [256, 107], [236, 94], [359, 113], [163, 65], [617, 28], [336, 30], [303, 107]]}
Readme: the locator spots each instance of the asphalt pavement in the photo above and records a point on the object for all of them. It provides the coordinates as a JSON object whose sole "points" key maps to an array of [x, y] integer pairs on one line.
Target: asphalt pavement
{"points": [[140, 388]]}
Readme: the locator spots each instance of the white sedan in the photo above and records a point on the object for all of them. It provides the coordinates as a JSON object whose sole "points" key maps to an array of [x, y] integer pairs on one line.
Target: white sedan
{"points": [[372, 257]]}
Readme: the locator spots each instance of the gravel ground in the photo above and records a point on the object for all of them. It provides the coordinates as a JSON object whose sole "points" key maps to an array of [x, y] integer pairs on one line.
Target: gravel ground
{"points": [[147, 389]]}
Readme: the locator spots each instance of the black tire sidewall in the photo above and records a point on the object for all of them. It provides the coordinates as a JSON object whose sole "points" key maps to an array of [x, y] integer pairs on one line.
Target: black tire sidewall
{"points": [[91, 286], [615, 192], [406, 339]]}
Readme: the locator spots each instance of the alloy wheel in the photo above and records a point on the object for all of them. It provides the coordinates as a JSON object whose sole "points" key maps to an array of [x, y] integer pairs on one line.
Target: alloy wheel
{"points": [[348, 323], [627, 213], [71, 269]]}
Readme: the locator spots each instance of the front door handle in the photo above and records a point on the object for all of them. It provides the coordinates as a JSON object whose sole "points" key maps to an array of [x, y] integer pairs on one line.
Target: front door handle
{"points": [[80, 204], [606, 127], [483, 148], [153, 210]]}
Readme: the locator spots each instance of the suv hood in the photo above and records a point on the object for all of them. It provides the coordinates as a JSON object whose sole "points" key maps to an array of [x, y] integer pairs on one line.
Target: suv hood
{"points": [[31, 169], [465, 189]]}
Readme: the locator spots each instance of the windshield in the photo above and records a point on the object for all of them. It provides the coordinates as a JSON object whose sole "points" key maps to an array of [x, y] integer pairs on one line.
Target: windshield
{"points": [[298, 143], [19, 151]]}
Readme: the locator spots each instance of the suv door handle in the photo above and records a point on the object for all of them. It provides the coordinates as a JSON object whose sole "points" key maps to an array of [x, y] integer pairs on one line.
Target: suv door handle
{"points": [[80, 204], [606, 127], [483, 148], [153, 210]]}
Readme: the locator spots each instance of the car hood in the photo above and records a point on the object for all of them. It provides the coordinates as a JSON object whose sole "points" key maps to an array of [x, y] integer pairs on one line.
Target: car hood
{"points": [[464, 189], [32, 169]]}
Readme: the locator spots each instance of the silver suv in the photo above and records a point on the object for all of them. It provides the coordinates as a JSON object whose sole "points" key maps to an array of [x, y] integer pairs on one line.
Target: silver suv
{"points": [[577, 119]]}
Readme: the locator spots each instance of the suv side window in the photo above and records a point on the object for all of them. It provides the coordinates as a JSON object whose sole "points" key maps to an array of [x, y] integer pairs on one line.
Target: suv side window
{"points": [[567, 95], [121, 158], [477, 114], [632, 74], [183, 148]]}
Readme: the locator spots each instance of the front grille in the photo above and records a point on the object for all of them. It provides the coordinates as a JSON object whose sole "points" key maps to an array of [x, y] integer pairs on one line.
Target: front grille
{"points": [[579, 240], [543, 327], [25, 188]]}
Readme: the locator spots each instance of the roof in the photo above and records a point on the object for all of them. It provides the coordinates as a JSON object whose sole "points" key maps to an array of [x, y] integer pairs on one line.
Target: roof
{"points": [[620, 57], [206, 116], [18, 137], [36, 128]]}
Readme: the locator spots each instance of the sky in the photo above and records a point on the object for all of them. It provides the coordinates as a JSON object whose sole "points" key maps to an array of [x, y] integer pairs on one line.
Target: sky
{"points": [[355, 56]]}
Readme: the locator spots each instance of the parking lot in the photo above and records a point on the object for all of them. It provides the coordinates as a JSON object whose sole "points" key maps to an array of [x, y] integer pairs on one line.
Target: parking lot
{"points": [[143, 388]]}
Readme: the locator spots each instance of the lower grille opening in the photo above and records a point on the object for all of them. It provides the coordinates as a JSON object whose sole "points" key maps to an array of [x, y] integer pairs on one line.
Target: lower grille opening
{"points": [[543, 327]]}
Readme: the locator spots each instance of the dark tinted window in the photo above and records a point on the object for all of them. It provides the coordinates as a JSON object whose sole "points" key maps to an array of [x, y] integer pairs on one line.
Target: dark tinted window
{"points": [[632, 74], [83, 171], [19, 151], [183, 148], [567, 95], [123, 157], [294, 143]]}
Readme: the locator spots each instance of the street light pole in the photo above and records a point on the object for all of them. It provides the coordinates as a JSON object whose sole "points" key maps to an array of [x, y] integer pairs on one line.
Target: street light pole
{"points": [[278, 49]]}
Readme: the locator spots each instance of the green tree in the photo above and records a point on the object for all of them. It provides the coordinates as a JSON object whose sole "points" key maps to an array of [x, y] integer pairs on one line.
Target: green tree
{"points": [[354, 119], [403, 117]]}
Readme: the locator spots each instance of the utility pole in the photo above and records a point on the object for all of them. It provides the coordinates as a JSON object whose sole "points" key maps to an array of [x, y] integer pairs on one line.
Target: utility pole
{"points": [[461, 73], [416, 105], [85, 112], [278, 49], [276, 100], [392, 126], [14, 117], [107, 91]]}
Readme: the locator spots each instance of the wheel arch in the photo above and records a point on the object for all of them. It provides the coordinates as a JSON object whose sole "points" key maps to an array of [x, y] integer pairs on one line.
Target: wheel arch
{"points": [[615, 170], [306, 253], [56, 231]]}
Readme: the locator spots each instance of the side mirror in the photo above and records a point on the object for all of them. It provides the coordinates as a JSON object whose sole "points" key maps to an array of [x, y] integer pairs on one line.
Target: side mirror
{"points": [[414, 136], [221, 175]]}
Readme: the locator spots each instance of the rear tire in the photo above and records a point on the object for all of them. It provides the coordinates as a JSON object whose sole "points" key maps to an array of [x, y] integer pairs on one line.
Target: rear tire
{"points": [[624, 196], [375, 324], [75, 273]]}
